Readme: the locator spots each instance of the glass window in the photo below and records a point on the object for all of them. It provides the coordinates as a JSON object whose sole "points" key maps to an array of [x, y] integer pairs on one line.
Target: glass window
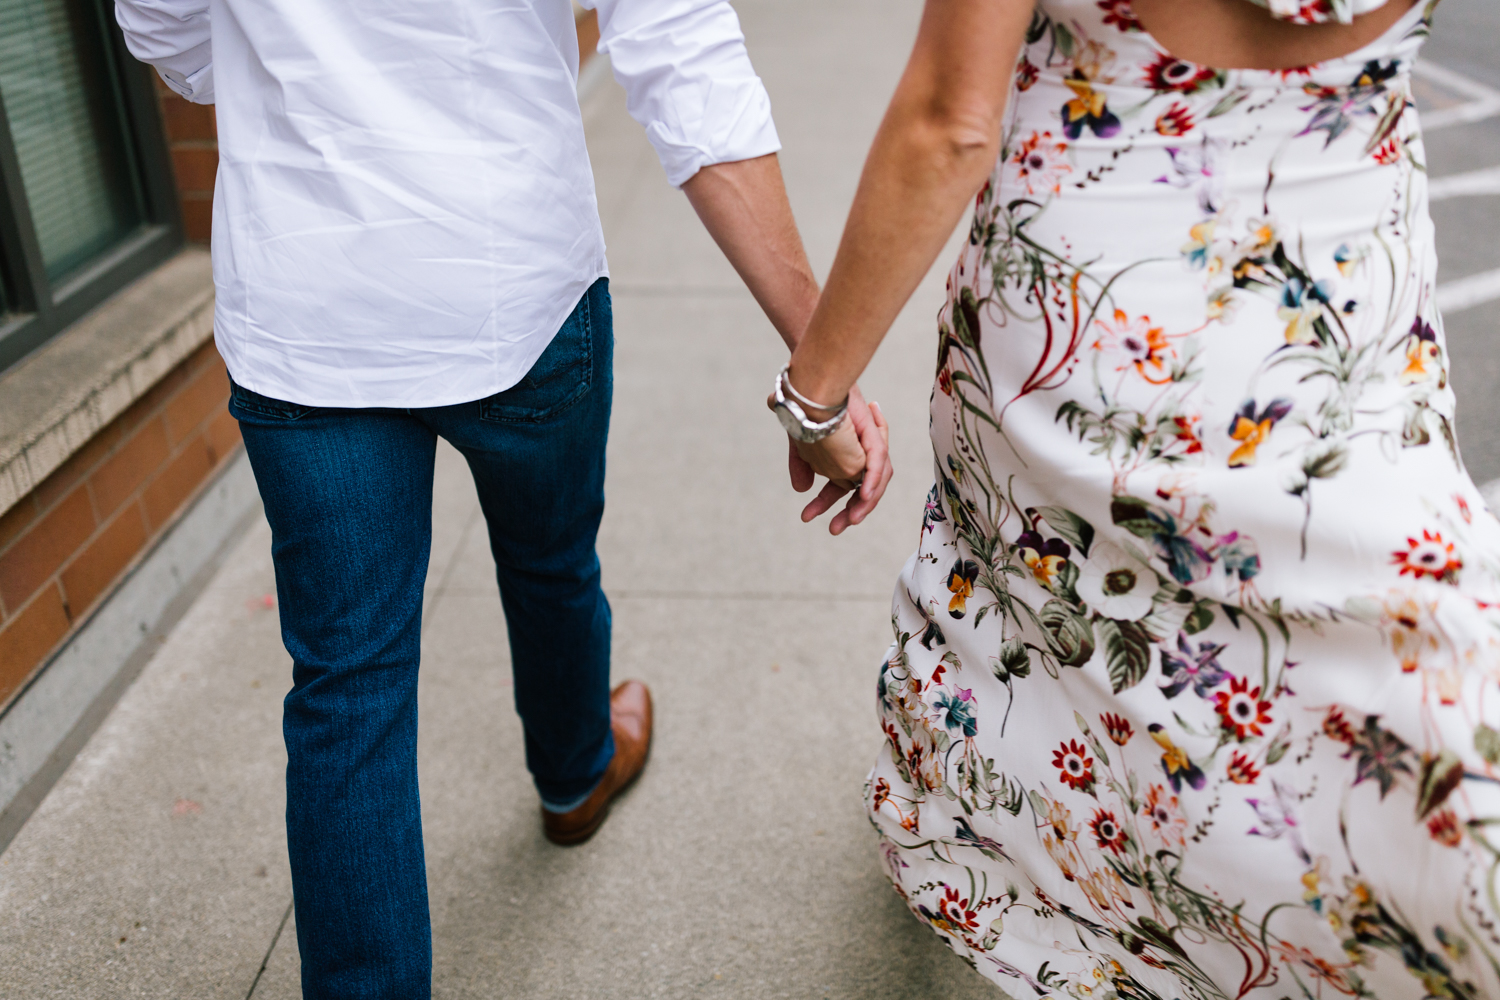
{"points": [[85, 185], [65, 126]]}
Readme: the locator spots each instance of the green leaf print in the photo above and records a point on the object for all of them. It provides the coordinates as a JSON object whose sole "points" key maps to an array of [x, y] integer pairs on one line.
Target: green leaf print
{"points": [[1069, 525], [1279, 745], [1068, 634], [1440, 776], [1127, 652], [1487, 743], [1201, 618], [1134, 516], [1014, 660]]}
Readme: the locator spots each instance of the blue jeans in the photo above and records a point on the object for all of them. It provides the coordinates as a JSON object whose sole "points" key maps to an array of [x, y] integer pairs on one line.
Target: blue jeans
{"points": [[348, 494]]}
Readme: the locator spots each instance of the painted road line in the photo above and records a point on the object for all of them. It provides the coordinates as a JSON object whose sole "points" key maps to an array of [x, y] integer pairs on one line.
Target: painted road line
{"points": [[1483, 101], [1465, 293], [1474, 182]]}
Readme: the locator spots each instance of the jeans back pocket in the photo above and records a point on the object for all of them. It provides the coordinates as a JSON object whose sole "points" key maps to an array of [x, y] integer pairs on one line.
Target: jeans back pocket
{"points": [[561, 377]]}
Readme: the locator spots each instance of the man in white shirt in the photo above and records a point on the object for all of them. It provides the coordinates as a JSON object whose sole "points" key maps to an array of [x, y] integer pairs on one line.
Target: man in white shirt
{"points": [[406, 245]]}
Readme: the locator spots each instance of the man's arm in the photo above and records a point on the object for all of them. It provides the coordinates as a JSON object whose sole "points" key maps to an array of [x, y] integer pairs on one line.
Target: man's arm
{"points": [[173, 36], [743, 205], [688, 80]]}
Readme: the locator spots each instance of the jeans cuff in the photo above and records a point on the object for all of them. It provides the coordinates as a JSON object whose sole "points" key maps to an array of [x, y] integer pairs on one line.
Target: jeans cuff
{"points": [[571, 804]]}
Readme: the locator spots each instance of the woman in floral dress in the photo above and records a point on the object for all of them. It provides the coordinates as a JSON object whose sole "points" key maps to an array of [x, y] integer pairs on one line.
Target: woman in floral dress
{"points": [[1194, 684]]}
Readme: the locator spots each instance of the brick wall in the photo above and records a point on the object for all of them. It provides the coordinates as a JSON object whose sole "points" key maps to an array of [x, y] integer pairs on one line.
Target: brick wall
{"points": [[65, 545], [192, 136]]}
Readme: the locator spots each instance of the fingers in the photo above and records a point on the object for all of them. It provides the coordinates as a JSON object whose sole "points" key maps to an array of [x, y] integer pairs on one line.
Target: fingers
{"points": [[801, 472], [864, 440], [826, 498], [878, 474], [875, 439], [840, 456]]}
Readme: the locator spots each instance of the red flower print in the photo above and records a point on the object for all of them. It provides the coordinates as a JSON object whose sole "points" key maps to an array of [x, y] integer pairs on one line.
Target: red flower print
{"points": [[1026, 75], [1176, 120], [1118, 727], [1336, 727], [1431, 556], [1167, 821], [1240, 709], [1040, 164], [1137, 344], [882, 793], [1120, 14], [1387, 152], [1171, 73], [955, 910], [1242, 771], [1186, 429], [1463, 509], [945, 382], [1108, 832], [1315, 966], [1445, 829], [1076, 765]]}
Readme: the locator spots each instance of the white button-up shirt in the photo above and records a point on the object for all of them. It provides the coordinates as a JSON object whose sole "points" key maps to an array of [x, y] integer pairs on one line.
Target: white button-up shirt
{"points": [[404, 213]]}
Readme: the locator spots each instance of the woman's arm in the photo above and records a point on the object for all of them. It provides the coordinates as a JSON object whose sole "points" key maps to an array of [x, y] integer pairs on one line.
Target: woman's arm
{"points": [[935, 148], [744, 207]]}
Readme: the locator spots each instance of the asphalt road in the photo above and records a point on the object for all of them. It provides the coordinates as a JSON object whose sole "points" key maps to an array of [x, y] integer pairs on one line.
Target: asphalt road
{"points": [[1466, 41]]}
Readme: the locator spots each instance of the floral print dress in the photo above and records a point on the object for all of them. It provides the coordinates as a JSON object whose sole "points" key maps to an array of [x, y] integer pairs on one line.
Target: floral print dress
{"points": [[1195, 688]]}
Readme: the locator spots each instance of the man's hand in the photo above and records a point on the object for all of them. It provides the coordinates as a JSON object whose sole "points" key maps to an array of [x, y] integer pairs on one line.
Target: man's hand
{"points": [[861, 444]]}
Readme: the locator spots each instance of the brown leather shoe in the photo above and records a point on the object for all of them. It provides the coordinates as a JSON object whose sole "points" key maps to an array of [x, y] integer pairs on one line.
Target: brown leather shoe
{"points": [[630, 718]]}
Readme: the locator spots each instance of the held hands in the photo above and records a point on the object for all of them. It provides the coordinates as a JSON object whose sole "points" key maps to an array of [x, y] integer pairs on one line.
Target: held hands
{"points": [[859, 448]]}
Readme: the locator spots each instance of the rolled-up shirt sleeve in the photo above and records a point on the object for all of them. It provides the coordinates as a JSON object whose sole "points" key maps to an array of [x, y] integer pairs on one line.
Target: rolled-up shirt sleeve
{"points": [[174, 37], [688, 80]]}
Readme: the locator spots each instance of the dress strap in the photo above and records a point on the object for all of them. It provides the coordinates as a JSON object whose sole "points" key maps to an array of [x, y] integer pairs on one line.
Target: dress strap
{"points": [[1318, 11]]}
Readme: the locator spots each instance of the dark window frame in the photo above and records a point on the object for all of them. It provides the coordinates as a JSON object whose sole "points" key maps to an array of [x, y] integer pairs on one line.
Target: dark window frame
{"points": [[36, 308]]}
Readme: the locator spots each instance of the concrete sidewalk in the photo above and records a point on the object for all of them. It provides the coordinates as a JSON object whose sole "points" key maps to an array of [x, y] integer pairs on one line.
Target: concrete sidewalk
{"points": [[741, 865]]}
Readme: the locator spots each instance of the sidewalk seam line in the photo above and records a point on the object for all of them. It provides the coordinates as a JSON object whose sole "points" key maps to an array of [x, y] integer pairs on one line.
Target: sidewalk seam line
{"points": [[441, 589], [274, 938]]}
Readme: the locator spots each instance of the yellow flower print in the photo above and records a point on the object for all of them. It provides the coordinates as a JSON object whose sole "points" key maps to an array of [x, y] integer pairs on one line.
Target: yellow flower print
{"points": [[1086, 101], [961, 583], [1347, 259], [1423, 357], [1409, 627], [1262, 238], [1301, 308], [1223, 304], [1200, 240], [1044, 557], [1252, 430], [1087, 108]]}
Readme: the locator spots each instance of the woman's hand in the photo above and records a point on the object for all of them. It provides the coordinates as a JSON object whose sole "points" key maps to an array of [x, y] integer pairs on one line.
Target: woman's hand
{"points": [[855, 457]]}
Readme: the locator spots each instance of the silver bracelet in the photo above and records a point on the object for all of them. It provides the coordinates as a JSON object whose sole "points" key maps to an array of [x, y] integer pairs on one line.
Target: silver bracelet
{"points": [[791, 390], [794, 417]]}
